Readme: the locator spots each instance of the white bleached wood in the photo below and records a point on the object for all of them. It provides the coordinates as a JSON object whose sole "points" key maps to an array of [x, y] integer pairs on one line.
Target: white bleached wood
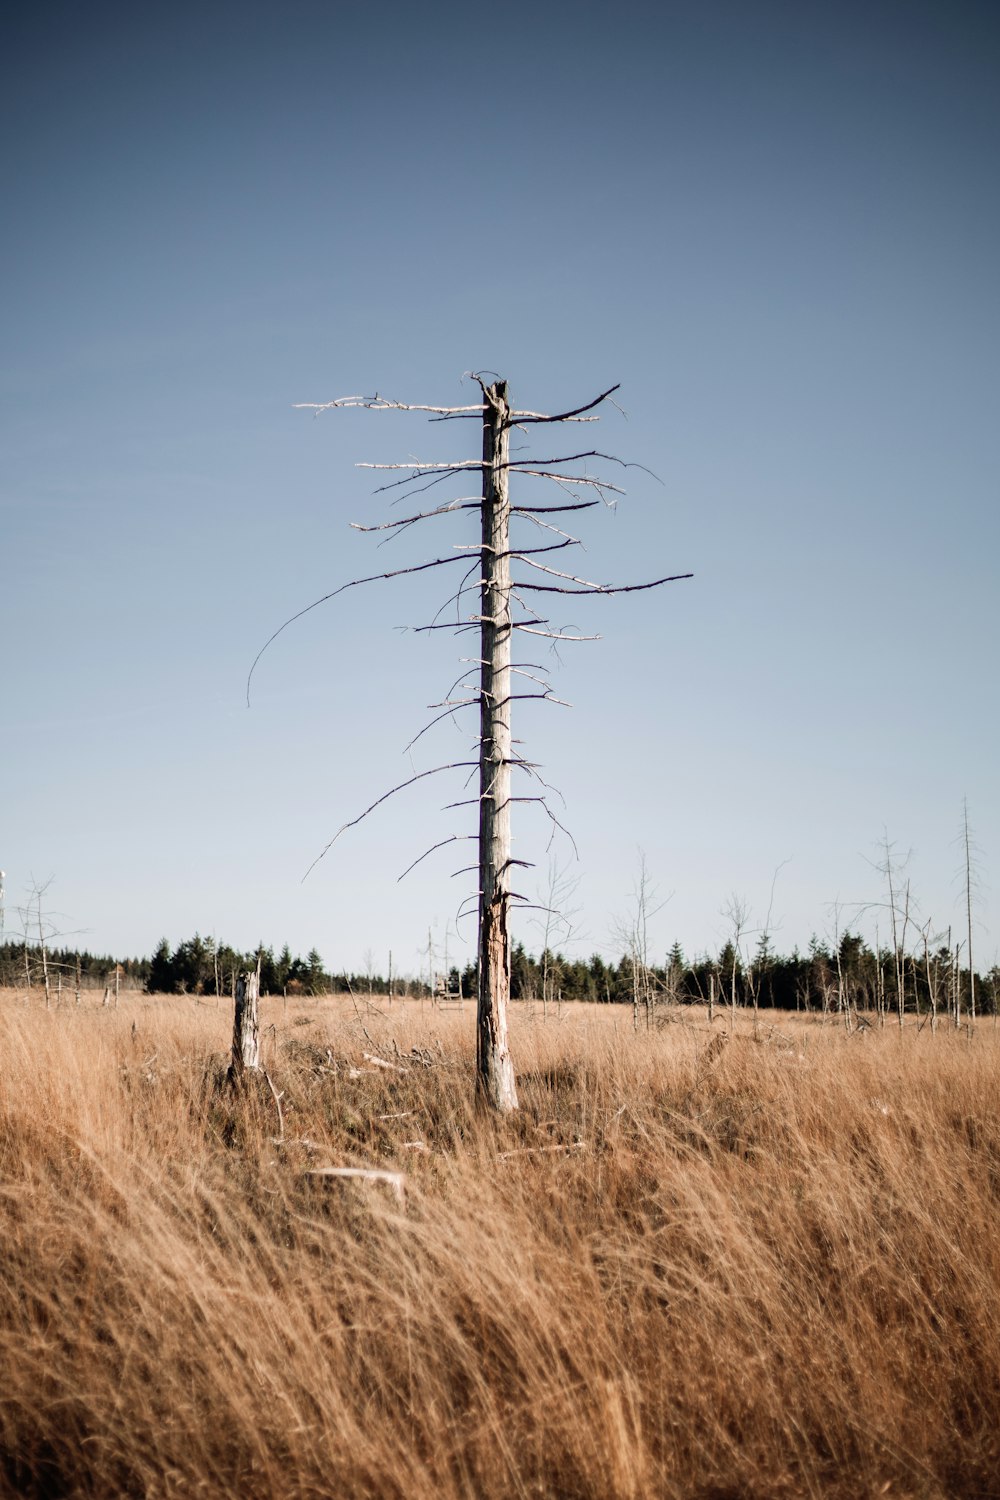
{"points": [[496, 622], [394, 1180], [246, 1025], [495, 1069]]}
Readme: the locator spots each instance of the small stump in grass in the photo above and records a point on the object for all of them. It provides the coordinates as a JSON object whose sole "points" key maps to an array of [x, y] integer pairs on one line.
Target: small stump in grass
{"points": [[246, 1026]]}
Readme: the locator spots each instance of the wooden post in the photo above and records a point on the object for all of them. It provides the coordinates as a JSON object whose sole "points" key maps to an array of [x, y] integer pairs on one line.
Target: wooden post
{"points": [[246, 1024], [495, 1069]]}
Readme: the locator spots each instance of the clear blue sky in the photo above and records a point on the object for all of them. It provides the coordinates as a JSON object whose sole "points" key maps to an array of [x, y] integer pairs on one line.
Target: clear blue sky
{"points": [[777, 225]]}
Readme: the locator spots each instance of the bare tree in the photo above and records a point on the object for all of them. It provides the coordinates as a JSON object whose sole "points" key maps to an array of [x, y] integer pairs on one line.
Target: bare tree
{"points": [[757, 968], [737, 912], [931, 971], [891, 867], [37, 933], [633, 935], [506, 607], [39, 892], [555, 922]]}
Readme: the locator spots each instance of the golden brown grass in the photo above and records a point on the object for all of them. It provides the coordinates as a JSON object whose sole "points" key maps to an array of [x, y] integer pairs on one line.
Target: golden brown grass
{"points": [[756, 1270]]}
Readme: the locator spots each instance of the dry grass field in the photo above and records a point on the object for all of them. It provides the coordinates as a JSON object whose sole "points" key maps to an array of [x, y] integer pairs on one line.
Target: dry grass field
{"points": [[758, 1269]]}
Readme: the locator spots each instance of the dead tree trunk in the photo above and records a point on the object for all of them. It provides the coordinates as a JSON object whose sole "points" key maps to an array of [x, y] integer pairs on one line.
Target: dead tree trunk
{"points": [[498, 596], [246, 1025], [495, 1070]]}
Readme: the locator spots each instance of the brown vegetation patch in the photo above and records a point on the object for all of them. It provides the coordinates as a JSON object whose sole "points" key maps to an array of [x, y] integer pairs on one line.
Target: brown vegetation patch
{"points": [[683, 1269]]}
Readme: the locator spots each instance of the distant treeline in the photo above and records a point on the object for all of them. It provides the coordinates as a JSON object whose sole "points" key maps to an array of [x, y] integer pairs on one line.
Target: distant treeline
{"points": [[22, 962], [850, 975]]}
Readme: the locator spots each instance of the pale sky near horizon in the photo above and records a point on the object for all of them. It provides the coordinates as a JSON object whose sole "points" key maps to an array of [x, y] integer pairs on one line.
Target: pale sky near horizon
{"points": [[776, 225]]}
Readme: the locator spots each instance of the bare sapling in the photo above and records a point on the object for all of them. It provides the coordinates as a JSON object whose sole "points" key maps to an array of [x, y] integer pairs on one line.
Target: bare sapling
{"points": [[738, 913], [633, 935], [899, 917], [44, 952], [506, 612], [36, 932], [555, 925], [931, 975], [969, 873]]}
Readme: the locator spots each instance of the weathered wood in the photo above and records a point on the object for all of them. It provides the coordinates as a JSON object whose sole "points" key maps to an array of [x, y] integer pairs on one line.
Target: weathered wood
{"points": [[394, 1180], [246, 1024], [495, 1073], [495, 1069]]}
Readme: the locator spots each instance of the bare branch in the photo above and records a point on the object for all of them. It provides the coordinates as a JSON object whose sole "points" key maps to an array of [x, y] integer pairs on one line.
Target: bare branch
{"points": [[466, 703], [533, 771], [380, 403], [456, 598], [543, 803], [555, 573], [556, 635], [526, 552], [417, 469], [597, 484], [354, 583], [542, 682], [470, 624], [625, 588], [447, 701], [556, 530], [548, 696], [525, 864], [455, 838], [541, 510], [572, 458], [518, 417], [442, 510], [435, 770], [397, 484], [562, 829]]}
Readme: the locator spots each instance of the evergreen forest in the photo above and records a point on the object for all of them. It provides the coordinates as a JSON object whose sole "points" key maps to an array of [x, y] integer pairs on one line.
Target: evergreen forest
{"points": [[850, 976]]}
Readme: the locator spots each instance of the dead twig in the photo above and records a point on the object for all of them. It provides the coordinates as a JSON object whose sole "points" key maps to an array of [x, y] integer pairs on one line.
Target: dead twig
{"points": [[277, 1104]]}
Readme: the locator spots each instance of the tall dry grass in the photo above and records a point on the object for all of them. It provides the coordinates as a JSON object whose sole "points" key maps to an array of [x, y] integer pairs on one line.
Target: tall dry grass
{"points": [[748, 1270]]}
